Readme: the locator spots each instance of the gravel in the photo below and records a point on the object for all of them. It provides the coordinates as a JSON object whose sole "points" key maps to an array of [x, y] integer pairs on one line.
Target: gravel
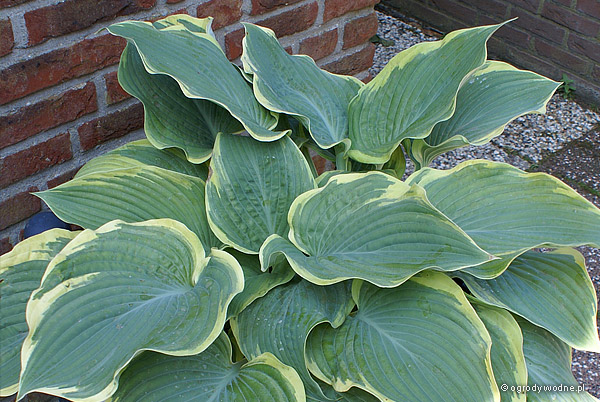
{"points": [[564, 142]]}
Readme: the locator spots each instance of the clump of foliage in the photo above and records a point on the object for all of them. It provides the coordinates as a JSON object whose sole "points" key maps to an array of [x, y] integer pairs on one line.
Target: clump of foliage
{"points": [[567, 88], [216, 265]]}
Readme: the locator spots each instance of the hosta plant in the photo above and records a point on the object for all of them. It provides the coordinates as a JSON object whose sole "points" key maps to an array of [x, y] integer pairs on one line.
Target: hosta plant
{"points": [[216, 265]]}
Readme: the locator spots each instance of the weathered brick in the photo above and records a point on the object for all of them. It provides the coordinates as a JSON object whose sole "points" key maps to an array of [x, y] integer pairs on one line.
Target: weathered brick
{"points": [[353, 63], [5, 245], [456, 10], [225, 12], [114, 92], [585, 47], [233, 43], [111, 126], [321, 45], [335, 8], [418, 9], [263, 6], [527, 60], [529, 5], [596, 73], [58, 66], [512, 35], [359, 30], [542, 28], [7, 39], [589, 7], [490, 7], [62, 178], [295, 20], [11, 3], [73, 15], [47, 114], [322, 164], [19, 207], [562, 58], [34, 159], [571, 20]]}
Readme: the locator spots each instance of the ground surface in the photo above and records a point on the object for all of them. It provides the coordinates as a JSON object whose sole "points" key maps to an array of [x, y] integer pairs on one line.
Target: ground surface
{"points": [[565, 142]]}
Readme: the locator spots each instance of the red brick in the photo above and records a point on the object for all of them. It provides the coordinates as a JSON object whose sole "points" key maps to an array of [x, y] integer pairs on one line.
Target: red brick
{"points": [[322, 164], [62, 178], [570, 19], [233, 43], [111, 126], [58, 66], [359, 30], [263, 6], [513, 35], [114, 92], [525, 59], [19, 207], [538, 26], [33, 159], [335, 8], [589, 7], [5, 246], [7, 40], [11, 3], [47, 114], [456, 10], [560, 57], [490, 7], [321, 45], [73, 15], [353, 63], [418, 9], [295, 20], [584, 47], [225, 12], [529, 5]]}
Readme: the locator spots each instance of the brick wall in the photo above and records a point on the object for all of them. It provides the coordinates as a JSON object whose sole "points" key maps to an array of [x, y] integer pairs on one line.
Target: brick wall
{"points": [[61, 104], [551, 37]]}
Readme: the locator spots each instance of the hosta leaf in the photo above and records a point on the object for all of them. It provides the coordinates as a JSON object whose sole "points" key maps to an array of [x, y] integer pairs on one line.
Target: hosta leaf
{"points": [[352, 395], [507, 211], [202, 70], [21, 272], [508, 361], [170, 118], [370, 226], [421, 341], [293, 84], [119, 290], [252, 187], [549, 367], [256, 282], [209, 376], [415, 91], [552, 290], [492, 96], [142, 153], [199, 25], [133, 195], [280, 321]]}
